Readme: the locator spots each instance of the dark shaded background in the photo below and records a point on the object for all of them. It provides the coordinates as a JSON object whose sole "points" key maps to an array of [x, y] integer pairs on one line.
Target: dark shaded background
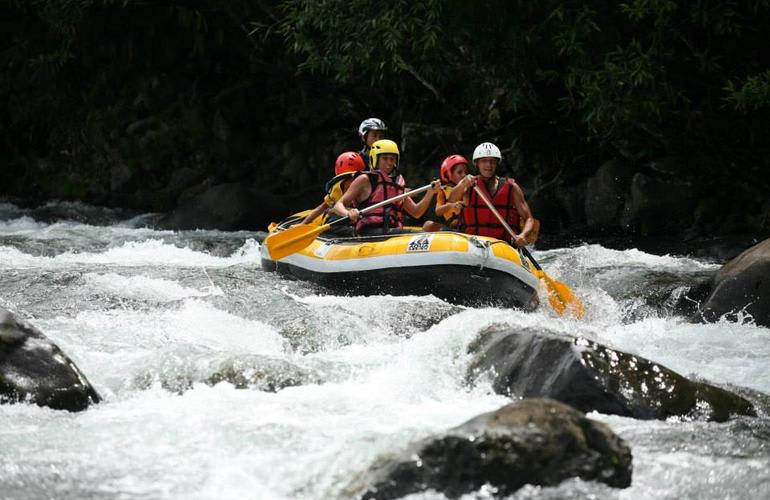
{"points": [[642, 118]]}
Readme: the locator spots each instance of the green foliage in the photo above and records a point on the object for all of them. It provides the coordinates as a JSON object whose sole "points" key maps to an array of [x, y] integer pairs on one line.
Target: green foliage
{"points": [[349, 39], [234, 88], [652, 70], [751, 94]]}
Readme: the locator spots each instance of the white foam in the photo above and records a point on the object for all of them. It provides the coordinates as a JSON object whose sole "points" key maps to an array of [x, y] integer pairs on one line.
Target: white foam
{"points": [[720, 352], [597, 256], [142, 287], [356, 302], [194, 323], [151, 252], [20, 225]]}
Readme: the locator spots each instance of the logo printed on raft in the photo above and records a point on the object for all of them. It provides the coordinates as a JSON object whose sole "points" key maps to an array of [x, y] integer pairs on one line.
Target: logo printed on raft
{"points": [[323, 249], [419, 243]]}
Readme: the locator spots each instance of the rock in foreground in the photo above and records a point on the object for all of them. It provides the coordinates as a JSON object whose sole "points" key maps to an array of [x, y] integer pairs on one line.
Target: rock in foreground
{"points": [[593, 377], [33, 369], [533, 441]]}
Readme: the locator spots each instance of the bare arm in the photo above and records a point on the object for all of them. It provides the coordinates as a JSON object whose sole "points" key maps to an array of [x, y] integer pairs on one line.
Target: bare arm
{"points": [[315, 213], [443, 205], [460, 190], [416, 210], [358, 191], [525, 215]]}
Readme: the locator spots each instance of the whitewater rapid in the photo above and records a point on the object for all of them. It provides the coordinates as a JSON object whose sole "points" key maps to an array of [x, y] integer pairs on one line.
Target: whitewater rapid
{"points": [[150, 315]]}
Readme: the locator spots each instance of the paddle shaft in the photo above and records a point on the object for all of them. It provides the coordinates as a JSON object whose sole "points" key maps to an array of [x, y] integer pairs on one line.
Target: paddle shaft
{"points": [[384, 202], [505, 224]]}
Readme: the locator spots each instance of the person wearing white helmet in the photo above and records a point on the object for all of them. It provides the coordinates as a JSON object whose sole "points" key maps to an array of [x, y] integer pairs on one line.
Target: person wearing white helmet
{"points": [[505, 194], [370, 131]]}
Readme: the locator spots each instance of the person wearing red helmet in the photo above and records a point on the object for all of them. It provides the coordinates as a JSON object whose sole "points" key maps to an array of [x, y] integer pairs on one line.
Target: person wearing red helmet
{"points": [[453, 169], [347, 166], [381, 183]]}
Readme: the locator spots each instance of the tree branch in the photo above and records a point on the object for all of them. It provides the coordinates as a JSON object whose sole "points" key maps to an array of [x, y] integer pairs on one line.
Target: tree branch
{"points": [[410, 69]]}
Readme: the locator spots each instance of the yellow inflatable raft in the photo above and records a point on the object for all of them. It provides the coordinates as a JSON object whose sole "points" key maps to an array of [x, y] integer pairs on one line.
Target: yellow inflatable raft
{"points": [[460, 268]]}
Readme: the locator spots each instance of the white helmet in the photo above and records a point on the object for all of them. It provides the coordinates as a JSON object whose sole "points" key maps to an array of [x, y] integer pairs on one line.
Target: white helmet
{"points": [[370, 124], [486, 150]]}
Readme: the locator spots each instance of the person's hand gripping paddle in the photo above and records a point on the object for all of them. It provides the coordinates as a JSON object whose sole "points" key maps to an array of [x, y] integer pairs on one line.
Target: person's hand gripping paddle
{"points": [[292, 240], [560, 296]]}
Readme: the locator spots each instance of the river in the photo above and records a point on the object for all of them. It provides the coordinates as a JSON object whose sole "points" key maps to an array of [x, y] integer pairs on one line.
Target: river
{"points": [[150, 315]]}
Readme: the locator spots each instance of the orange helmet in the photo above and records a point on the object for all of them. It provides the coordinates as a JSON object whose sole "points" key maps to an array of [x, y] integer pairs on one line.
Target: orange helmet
{"points": [[348, 161], [450, 162]]}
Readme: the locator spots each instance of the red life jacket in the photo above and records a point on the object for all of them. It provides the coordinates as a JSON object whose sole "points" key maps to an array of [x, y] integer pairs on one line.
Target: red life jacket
{"points": [[383, 188], [478, 219]]}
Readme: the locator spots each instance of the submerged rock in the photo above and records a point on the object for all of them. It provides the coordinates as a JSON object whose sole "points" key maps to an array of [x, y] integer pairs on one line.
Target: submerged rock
{"points": [[228, 207], [243, 371], [742, 286], [533, 441], [593, 377], [33, 369]]}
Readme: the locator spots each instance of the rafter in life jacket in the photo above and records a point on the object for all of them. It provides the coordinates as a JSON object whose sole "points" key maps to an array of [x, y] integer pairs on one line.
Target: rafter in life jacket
{"points": [[383, 187], [477, 218], [452, 215]]}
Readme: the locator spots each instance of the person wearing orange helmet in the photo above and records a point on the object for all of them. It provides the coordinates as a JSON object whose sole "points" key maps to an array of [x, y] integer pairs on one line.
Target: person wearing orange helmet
{"points": [[453, 169], [347, 166]]}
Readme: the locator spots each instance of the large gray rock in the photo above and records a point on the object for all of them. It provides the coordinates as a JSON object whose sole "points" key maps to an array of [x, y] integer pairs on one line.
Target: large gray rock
{"points": [[592, 377], [33, 369], [743, 286], [606, 193], [533, 441], [571, 196], [659, 206], [228, 207]]}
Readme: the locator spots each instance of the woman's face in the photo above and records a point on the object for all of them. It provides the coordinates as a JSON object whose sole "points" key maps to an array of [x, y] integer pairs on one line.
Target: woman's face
{"points": [[458, 172], [387, 162]]}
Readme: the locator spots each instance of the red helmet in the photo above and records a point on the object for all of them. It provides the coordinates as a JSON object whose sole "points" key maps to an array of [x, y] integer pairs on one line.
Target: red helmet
{"points": [[448, 164], [348, 161]]}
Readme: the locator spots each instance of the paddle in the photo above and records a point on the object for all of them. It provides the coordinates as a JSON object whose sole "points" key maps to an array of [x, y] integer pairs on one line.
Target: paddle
{"points": [[294, 239], [560, 296]]}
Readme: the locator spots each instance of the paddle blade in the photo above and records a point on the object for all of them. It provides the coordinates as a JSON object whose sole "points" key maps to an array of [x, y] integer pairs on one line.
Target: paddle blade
{"points": [[292, 240], [561, 297]]}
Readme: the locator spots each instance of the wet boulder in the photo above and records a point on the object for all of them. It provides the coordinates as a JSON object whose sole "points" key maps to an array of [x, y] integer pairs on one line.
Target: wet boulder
{"points": [[742, 286], [532, 441], [659, 206], [606, 193], [227, 207], [33, 369], [251, 371], [593, 377]]}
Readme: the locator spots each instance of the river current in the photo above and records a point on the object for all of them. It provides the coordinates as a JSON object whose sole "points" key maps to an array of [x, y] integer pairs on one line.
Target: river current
{"points": [[151, 317]]}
